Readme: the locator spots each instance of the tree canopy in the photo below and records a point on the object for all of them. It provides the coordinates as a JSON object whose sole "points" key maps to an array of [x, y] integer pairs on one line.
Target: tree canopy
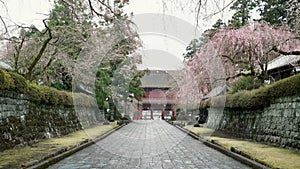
{"points": [[78, 35]]}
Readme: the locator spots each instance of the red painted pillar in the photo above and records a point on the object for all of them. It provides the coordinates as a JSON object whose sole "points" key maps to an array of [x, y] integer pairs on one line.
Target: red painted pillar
{"points": [[141, 113], [174, 112], [151, 113], [163, 114]]}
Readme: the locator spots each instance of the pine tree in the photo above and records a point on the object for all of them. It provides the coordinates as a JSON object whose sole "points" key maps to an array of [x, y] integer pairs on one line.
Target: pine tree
{"points": [[242, 14], [273, 11]]}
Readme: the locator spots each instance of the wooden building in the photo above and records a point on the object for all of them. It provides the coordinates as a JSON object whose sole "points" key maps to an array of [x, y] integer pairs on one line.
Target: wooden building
{"points": [[283, 67], [161, 96]]}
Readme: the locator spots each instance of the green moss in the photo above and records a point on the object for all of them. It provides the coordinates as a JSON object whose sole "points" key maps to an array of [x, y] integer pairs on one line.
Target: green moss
{"points": [[81, 99], [273, 157], [48, 95], [20, 84], [42, 94], [15, 158], [34, 93], [51, 95], [6, 82], [65, 98]]}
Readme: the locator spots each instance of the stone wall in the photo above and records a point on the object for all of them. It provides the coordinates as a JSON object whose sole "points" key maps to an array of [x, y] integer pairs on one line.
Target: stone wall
{"points": [[278, 124], [23, 122]]}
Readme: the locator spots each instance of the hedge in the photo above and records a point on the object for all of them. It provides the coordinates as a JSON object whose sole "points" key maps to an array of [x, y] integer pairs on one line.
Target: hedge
{"points": [[262, 97], [10, 81]]}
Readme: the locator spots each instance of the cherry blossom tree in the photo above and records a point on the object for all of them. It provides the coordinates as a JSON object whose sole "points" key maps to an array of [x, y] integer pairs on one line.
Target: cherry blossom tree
{"points": [[49, 55], [252, 47], [236, 52]]}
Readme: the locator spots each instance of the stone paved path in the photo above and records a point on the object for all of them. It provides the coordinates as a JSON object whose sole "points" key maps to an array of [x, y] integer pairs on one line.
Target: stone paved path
{"points": [[148, 145]]}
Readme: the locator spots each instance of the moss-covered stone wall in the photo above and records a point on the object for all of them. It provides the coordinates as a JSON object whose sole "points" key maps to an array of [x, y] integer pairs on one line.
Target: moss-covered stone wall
{"points": [[270, 114], [278, 124], [23, 122], [30, 113]]}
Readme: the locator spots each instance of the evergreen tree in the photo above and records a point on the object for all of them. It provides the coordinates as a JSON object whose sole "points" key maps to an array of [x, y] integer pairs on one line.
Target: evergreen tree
{"points": [[281, 12], [242, 13], [273, 11], [196, 44], [110, 79]]}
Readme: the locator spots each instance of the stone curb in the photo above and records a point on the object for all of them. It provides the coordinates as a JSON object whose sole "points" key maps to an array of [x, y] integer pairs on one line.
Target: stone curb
{"points": [[231, 154], [46, 163]]}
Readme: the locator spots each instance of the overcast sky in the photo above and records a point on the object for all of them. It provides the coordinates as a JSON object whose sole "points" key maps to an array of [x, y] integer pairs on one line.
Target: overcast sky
{"points": [[27, 12]]}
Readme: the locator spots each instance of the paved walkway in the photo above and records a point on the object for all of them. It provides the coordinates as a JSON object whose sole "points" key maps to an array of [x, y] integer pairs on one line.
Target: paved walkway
{"points": [[148, 145]]}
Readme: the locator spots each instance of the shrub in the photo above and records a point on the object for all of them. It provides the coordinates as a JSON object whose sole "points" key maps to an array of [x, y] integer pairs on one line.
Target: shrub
{"points": [[254, 99], [286, 87], [173, 118], [246, 83], [197, 125], [262, 97]]}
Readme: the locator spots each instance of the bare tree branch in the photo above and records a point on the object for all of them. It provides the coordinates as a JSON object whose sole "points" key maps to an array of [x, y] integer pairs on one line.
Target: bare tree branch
{"points": [[48, 64], [198, 8], [93, 10], [102, 3], [234, 61], [1, 18], [221, 10], [17, 55], [4, 24], [41, 51], [4, 5], [107, 6], [275, 49]]}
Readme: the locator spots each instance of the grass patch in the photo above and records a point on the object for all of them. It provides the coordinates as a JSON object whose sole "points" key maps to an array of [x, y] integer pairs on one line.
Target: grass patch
{"points": [[201, 131], [273, 157], [15, 158], [77, 137]]}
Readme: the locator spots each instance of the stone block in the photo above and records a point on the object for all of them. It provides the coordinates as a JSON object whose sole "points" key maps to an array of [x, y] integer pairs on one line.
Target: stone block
{"points": [[272, 106], [296, 99], [287, 113], [297, 112], [293, 105], [298, 145]]}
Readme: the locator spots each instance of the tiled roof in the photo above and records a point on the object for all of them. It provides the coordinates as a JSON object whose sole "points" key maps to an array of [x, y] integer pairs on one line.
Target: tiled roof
{"points": [[283, 60], [158, 79]]}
